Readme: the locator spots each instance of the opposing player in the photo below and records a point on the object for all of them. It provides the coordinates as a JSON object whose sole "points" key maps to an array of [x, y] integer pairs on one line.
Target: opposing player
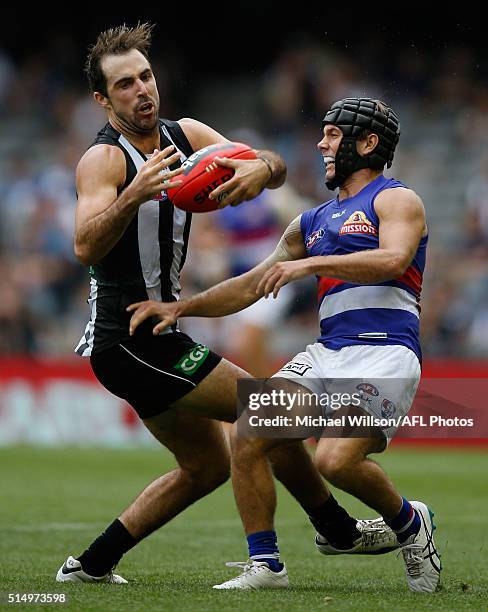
{"points": [[367, 249], [135, 243]]}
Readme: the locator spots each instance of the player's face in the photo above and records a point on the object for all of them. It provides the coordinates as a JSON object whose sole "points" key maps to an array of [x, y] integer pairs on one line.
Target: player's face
{"points": [[328, 147], [132, 93]]}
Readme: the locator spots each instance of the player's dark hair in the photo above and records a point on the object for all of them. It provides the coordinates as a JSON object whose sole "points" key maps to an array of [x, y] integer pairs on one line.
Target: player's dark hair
{"points": [[115, 41]]}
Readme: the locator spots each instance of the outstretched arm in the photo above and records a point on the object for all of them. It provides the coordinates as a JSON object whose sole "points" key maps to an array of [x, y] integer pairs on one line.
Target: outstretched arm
{"points": [[225, 298], [402, 225], [251, 176]]}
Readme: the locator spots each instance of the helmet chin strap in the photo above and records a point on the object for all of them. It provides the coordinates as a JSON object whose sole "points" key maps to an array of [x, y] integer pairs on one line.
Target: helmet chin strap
{"points": [[347, 161]]}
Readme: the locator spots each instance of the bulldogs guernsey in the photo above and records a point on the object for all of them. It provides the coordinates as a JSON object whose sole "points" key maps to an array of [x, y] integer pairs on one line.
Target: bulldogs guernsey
{"points": [[381, 314]]}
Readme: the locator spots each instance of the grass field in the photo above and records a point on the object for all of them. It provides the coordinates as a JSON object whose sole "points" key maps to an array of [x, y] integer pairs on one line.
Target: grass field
{"points": [[53, 502]]}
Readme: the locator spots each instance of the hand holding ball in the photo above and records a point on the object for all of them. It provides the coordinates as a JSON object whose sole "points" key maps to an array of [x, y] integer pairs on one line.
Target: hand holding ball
{"points": [[202, 175]]}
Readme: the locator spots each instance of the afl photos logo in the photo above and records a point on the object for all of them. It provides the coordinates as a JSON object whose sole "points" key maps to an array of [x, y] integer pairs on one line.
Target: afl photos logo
{"points": [[358, 223]]}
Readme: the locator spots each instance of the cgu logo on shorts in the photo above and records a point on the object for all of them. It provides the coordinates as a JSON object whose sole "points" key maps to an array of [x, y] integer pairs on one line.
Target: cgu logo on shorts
{"points": [[192, 360], [358, 223], [314, 237]]}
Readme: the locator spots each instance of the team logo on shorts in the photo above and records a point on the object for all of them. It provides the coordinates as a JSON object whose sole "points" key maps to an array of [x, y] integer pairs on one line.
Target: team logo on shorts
{"points": [[358, 223], [314, 237], [297, 368], [388, 409], [192, 360], [368, 388]]}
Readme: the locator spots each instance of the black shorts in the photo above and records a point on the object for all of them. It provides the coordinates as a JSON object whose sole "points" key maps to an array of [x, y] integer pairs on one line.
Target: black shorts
{"points": [[152, 372]]}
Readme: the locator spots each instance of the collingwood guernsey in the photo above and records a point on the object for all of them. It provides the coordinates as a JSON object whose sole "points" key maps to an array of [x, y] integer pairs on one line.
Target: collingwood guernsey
{"points": [[147, 260]]}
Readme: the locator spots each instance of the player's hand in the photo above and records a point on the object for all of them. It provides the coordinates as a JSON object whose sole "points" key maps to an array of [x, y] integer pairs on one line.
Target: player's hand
{"points": [[280, 274], [154, 175], [166, 312], [250, 178]]}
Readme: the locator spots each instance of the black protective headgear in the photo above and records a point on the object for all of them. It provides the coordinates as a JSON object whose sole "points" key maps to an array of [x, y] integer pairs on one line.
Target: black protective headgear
{"points": [[353, 116]]}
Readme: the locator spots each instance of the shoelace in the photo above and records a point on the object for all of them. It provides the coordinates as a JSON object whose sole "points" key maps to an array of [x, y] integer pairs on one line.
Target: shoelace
{"points": [[376, 536], [246, 566], [374, 532], [377, 522], [412, 554], [110, 576]]}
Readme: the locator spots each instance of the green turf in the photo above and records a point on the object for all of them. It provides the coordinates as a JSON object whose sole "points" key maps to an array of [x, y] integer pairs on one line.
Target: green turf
{"points": [[53, 502]]}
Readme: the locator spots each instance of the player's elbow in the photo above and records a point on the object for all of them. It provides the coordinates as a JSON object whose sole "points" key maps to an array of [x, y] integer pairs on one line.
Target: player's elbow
{"points": [[83, 254], [398, 264]]}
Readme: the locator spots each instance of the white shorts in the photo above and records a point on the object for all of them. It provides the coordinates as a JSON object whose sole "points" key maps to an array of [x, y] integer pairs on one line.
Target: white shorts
{"points": [[387, 377]]}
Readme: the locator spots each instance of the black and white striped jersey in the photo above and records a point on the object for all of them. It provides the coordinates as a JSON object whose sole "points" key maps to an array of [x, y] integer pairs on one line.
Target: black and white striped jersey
{"points": [[147, 260]]}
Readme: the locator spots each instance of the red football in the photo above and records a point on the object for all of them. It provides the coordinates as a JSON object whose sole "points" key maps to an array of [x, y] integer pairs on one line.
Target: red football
{"points": [[202, 175]]}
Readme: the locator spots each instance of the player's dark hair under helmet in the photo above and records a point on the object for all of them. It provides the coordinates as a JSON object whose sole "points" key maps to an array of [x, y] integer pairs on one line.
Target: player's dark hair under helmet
{"points": [[356, 117]]}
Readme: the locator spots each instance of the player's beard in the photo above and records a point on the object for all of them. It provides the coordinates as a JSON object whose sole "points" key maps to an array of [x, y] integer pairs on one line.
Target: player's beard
{"points": [[138, 124]]}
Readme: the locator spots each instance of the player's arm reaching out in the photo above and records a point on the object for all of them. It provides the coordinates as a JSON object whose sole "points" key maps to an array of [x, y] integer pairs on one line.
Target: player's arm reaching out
{"points": [[102, 216], [225, 298], [251, 175], [402, 224]]}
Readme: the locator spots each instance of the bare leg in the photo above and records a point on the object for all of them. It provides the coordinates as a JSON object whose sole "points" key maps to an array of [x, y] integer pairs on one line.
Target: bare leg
{"points": [[293, 467], [203, 464], [198, 443], [188, 430], [199, 447], [252, 480], [292, 464], [255, 459], [344, 463]]}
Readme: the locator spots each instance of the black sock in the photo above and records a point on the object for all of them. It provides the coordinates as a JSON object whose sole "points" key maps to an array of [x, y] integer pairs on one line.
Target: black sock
{"points": [[106, 551], [334, 523]]}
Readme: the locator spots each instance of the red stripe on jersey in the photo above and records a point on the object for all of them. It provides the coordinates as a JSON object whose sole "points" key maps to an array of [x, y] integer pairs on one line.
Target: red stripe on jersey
{"points": [[326, 284], [412, 278]]}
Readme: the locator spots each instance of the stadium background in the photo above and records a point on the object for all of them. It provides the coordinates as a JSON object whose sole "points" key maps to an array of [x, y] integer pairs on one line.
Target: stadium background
{"points": [[256, 76], [269, 86]]}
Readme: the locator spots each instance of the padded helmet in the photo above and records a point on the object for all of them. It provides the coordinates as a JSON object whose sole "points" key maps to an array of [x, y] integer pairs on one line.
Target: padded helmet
{"points": [[353, 116]]}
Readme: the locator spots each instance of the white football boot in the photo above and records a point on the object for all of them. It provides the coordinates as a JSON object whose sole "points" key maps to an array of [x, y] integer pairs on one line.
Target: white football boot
{"points": [[422, 562], [255, 575], [376, 539], [71, 571]]}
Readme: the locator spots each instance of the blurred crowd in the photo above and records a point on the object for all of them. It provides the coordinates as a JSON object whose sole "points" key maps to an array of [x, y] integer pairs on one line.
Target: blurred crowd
{"points": [[48, 118]]}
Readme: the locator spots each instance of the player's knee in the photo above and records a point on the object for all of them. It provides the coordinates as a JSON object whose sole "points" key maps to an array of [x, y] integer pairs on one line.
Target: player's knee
{"points": [[217, 476], [335, 466], [218, 473], [206, 475], [244, 448]]}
